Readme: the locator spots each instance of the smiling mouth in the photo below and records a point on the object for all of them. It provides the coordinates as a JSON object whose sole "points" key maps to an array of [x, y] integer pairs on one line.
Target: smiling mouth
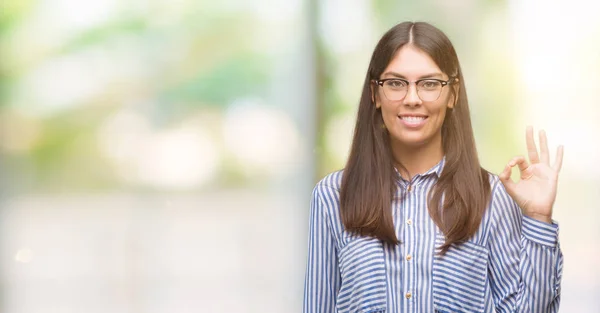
{"points": [[412, 121]]}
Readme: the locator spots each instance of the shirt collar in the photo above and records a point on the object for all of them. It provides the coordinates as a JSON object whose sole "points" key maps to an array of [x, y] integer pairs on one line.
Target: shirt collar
{"points": [[436, 169]]}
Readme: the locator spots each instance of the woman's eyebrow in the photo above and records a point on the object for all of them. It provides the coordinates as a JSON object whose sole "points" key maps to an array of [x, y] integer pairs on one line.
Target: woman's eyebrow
{"points": [[430, 75]]}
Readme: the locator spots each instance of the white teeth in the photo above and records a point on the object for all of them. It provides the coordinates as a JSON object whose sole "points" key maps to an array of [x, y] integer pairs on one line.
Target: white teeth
{"points": [[412, 118]]}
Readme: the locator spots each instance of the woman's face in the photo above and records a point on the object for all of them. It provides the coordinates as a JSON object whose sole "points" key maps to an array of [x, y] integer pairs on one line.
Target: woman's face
{"points": [[412, 122]]}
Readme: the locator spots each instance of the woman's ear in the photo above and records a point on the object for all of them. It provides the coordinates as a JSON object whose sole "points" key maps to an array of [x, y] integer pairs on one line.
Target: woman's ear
{"points": [[456, 89], [377, 105]]}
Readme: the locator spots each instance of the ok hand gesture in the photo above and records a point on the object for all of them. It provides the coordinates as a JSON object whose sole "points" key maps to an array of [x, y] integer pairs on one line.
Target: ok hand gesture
{"points": [[535, 191]]}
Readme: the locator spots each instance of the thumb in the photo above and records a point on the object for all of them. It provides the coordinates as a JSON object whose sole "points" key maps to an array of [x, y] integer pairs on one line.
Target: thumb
{"points": [[505, 179]]}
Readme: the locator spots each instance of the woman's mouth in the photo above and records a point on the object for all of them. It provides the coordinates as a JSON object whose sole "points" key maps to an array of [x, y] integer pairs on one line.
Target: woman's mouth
{"points": [[413, 121]]}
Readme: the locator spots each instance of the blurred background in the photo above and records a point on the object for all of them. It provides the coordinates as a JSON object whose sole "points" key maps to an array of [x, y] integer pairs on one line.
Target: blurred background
{"points": [[158, 156]]}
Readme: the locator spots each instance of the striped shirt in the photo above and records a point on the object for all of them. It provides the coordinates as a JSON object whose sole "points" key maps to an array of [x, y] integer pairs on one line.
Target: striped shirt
{"points": [[512, 264]]}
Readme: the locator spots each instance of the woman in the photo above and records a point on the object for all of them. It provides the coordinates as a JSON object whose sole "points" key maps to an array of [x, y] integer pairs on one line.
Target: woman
{"points": [[414, 223]]}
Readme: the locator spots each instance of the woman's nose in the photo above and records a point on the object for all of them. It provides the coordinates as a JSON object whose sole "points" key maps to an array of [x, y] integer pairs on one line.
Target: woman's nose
{"points": [[412, 96]]}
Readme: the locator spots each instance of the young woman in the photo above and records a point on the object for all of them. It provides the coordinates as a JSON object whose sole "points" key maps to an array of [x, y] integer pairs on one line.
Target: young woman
{"points": [[414, 223]]}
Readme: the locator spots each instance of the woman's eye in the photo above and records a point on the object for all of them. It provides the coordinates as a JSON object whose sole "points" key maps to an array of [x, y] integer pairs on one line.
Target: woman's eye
{"points": [[430, 84], [396, 83]]}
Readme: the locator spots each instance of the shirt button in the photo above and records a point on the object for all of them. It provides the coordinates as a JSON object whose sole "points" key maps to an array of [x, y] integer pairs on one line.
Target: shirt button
{"points": [[409, 221], [408, 257], [408, 295]]}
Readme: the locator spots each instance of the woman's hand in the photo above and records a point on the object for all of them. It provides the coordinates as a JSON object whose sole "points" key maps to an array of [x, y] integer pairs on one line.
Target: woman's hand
{"points": [[535, 192]]}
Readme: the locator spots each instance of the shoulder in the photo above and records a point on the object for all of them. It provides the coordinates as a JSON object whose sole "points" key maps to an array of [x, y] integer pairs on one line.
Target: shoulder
{"points": [[327, 191], [497, 188], [332, 182], [494, 182], [325, 203], [502, 204]]}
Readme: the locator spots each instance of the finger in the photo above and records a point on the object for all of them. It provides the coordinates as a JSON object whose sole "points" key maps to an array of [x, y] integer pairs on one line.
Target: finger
{"points": [[559, 157], [523, 166], [506, 180], [506, 173], [522, 163], [531, 148], [544, 153]]}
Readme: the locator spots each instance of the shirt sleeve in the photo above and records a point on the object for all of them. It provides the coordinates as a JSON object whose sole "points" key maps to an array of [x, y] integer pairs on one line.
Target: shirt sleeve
{"points": [[525, 259], [322, 280]]}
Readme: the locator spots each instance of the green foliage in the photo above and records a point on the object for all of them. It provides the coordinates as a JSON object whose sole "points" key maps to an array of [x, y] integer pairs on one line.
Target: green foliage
{"points": [[239, 76], [11, 12], [67, 153], [104, 33]]}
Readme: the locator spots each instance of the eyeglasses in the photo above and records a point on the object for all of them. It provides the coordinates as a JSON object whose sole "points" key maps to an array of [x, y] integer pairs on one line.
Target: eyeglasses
{"points": [[428, 89]]}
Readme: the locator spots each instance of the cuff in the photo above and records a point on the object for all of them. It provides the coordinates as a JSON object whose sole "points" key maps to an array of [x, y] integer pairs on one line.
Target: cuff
{"points": [[540, 232]]}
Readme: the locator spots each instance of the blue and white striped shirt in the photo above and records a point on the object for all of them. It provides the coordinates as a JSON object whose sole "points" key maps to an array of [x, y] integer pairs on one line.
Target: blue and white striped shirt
{"points": [[512, 264]]}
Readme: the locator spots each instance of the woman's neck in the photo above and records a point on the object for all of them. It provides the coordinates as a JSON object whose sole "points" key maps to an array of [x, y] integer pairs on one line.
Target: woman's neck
{"points": [[416, 160]]}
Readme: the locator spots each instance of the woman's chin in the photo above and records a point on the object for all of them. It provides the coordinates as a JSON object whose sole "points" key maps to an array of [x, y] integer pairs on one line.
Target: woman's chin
{"points": [[411, 140]]}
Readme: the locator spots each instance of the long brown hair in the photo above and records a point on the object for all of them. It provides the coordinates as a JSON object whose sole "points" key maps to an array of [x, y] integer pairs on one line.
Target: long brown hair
{"points": [[369, 180]]}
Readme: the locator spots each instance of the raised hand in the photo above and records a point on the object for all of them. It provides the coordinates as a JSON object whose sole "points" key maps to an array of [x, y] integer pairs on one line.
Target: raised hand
{"points": [[535, 191]]}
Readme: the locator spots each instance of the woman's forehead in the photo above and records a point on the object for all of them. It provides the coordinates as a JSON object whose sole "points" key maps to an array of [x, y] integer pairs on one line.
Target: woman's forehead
{"points": [[411, 62]]}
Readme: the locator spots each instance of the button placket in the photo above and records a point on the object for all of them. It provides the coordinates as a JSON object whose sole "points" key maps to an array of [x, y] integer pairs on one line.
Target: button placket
{"points": [[409, 266], [409, 232]]}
